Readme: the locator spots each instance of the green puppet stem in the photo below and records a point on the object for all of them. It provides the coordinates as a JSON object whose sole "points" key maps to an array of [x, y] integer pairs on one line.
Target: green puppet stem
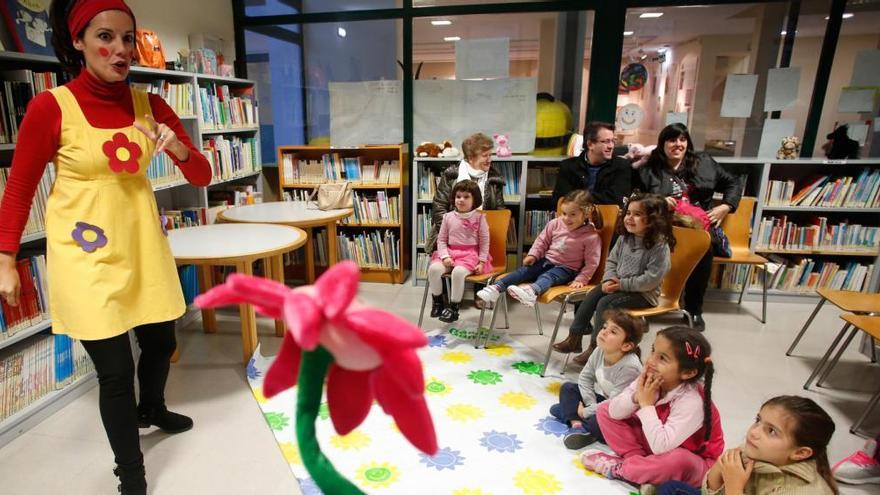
{"points": [[312, 372]]}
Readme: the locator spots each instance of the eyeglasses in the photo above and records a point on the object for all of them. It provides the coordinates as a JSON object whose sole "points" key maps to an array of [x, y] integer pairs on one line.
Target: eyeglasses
{"points": [[607, 142]]}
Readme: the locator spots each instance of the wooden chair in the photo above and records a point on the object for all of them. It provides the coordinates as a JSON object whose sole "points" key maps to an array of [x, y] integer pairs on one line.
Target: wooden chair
{"points": [[870, 324], [737, 226], [849, 301], [499, 221], [565, 294], [690, 246]]}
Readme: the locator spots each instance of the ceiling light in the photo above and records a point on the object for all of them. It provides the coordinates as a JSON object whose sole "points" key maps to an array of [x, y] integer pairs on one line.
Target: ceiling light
{"points": [[628, 33], [783, 33], [661, 50], [452, 38], [341, 32], [847, 15], [441, 22], [651, 15]]}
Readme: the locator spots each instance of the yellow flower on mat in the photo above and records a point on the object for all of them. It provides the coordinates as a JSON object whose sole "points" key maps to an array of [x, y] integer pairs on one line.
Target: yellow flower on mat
{"points": [[377, 474], [537, 482], [464, 412], [459, 357], [499, 350], [470, 491], [553, 388], [576, 460], [517, 400], [258, 395], [355, 440], [290, 451]]}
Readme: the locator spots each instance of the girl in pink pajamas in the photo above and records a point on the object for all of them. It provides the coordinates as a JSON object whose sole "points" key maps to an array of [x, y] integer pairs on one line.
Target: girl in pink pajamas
{"points": [[663, 426]]}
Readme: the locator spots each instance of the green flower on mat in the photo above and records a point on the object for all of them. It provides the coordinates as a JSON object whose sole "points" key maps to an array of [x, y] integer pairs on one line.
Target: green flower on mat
{"points": [[378, 475], [484, 377], [435, 386], [529, 367], [471, 334], [324, 411], [277, 421]]}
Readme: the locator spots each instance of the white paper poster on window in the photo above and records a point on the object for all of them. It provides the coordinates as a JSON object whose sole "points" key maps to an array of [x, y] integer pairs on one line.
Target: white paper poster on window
{"points": [[366, 112], [771, 136], [739, 93], [482, 59], [782, 88], [856, 100], [857, 131], [456, 109], [676, 118], [866, 69]]}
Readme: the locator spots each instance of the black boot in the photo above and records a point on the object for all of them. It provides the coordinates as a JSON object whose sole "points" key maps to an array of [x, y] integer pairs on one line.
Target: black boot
{"points": [[436, 305], [132, 480], [168, 421], [450, 314]]}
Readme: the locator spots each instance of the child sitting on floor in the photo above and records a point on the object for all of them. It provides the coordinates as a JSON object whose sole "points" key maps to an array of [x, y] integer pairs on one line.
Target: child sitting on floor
{"points": [[663, 426], [613, 366]]}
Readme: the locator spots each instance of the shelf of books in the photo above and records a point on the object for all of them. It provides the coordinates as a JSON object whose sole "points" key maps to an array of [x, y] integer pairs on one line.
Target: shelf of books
{"points": [[374, 235], [817, 222], [528, 185]]}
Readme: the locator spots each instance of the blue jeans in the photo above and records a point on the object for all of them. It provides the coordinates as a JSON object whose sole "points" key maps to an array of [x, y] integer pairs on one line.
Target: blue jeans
{"points": [[542, 274], [677, 488], [567, 409]]}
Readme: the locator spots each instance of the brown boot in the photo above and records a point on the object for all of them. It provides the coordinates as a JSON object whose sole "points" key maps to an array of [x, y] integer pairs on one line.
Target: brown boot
{"points": [[572, 343], [582, 358]]}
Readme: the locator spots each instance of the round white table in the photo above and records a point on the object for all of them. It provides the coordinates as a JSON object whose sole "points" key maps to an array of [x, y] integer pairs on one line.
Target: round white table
{"points": [[301, 214], [237, 245]]}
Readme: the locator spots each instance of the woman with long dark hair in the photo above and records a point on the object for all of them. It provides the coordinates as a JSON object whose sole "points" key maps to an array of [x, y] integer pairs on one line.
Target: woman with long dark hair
{"points": [[676, 172], [110, 268]]}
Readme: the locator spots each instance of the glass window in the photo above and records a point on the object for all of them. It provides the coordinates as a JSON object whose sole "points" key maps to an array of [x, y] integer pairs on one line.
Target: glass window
{"points": [[440, 3], [254, 8]]}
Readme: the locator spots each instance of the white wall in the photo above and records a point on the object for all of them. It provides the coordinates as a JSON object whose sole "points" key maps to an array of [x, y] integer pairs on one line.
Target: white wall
{"points": [[174, 20]]}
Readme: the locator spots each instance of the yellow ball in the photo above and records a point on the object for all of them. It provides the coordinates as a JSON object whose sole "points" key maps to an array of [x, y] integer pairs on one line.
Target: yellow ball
{"points": [[553, 123]]}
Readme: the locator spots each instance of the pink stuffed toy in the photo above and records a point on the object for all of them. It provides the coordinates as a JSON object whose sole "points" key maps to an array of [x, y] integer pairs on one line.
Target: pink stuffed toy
{"points": [[364, 353], [501, 148]]}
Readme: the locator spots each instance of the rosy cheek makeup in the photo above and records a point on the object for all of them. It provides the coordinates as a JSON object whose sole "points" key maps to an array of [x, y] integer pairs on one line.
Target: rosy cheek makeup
{"points": [[103, 52]]}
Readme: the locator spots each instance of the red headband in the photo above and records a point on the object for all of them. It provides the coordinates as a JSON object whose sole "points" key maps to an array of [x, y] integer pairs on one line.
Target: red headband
{"points": [[83, 11]]}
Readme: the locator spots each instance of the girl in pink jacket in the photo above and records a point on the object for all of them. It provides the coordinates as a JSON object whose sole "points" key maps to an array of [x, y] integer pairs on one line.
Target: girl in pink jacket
{"points": [[567, 251], [663, 426]]}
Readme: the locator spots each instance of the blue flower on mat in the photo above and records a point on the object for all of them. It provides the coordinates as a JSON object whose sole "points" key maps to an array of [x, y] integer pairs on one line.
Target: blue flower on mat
{"points": [[500, 441], [308, 486], [437, 341], [445, 458], [252, 372], [551, 426]]}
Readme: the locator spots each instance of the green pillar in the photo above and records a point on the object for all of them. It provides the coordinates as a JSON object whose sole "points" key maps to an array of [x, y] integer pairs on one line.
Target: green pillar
{"points": [[608, 25]]}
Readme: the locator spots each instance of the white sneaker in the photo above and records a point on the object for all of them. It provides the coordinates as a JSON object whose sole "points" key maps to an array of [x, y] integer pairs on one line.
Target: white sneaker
{"points": [[488, 293], [860, 468], [525, 295]]}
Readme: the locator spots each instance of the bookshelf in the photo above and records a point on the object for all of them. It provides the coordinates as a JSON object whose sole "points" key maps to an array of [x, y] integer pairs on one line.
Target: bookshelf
{"points": [[374, 235], [529, 182], [221, 116], [831, 237]]}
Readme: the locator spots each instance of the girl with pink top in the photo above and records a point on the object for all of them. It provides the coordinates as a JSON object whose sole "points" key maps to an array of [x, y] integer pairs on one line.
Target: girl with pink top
{"points": [[663, 426], [462, 249], [567, 251]]}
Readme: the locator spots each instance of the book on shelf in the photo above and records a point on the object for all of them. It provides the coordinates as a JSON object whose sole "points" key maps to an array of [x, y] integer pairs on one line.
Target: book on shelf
{"points": [[332, 168], [37, 216], [376, 207], [230, 195], [804, 274], [221, 108], [374, 249], [163, 171], [536, 220], [423, 225], [231, 156], [728, 277], [510, 173], [190, 216], [319, 246], [828, 191], [429, 179], [512, 239], [782, 234], [178, 96], [17, 90], [33, 306], [422, 262], [28, 26]]}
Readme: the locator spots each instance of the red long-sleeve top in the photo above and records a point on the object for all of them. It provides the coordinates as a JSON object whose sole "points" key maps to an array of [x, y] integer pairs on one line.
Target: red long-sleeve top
{"points": [[105, 106]]}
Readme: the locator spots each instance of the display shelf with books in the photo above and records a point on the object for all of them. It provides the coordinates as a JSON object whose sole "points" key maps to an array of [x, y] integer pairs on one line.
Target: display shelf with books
{"points": [[816, 220], [376, 233], [528, 184]]}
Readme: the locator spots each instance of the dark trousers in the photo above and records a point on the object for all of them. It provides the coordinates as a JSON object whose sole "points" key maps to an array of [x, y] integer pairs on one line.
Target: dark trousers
{"points": [[596, 303], [695, 288], [677, 488], [569, 400], [115, 368]]}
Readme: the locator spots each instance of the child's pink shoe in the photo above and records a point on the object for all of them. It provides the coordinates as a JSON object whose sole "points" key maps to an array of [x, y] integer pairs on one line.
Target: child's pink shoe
{"points": [[602, 463], [860, 468], [524, 295]]}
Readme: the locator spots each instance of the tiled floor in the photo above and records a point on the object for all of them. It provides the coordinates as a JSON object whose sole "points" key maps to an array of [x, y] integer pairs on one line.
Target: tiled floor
{"points": [[231, 451]]}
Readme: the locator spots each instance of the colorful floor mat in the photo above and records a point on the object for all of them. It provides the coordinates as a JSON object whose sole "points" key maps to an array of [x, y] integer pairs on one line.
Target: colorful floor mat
{"points": [[490, 409]]}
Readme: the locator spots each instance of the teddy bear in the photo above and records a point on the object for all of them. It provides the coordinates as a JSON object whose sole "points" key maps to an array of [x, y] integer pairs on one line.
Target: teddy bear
{"points": [[501, 148], [428, 149], [791, 145], [448, 150]]}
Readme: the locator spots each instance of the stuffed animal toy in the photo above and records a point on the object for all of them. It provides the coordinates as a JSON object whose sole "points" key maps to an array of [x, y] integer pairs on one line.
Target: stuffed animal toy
{"points": [[553, 123], [363, 354], [449, 151], [428, 150], [501, 148], [790, 148]]}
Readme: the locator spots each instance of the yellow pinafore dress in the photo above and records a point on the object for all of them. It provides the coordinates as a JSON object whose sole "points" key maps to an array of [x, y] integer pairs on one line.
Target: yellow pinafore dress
{"points": [[110, 267]]}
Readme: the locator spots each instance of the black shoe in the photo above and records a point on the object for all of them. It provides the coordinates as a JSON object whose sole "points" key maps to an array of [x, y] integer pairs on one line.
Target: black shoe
{"points": [[450, 314], [436, 305], [167, 421], [577, 441], [699, 323], [132, 481]]}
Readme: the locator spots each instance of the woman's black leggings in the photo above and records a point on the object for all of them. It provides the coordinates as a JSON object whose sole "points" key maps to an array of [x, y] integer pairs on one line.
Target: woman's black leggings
{"points": [[697, 283], [115, 368]]}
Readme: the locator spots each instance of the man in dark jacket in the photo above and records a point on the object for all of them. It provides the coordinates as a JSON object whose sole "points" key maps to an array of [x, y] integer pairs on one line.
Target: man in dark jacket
{"points": [[609, 178]]}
